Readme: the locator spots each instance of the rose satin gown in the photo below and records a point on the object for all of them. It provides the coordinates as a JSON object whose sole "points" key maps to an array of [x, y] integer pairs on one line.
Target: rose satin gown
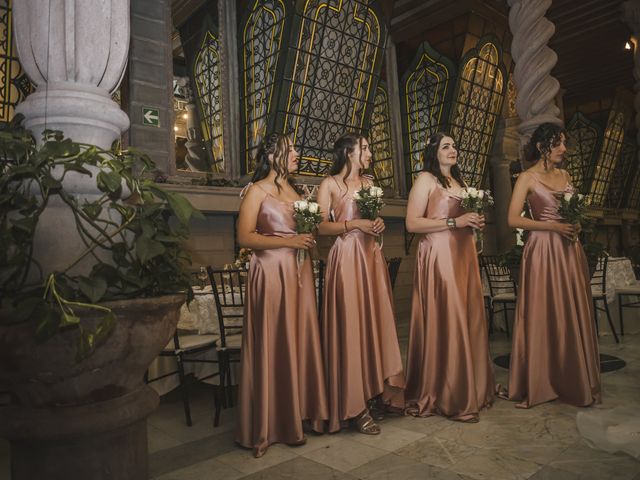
{"points": [[449, 370], [281, 379], [360, 343], [555, 345]]}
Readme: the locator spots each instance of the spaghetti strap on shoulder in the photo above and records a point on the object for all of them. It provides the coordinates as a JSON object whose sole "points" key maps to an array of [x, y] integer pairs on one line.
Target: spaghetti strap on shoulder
{"points": [[245, 189]]}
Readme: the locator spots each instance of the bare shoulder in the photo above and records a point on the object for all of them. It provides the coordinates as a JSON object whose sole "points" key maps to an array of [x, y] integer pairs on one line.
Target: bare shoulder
{"points": [[426, 179], [255, 192]]}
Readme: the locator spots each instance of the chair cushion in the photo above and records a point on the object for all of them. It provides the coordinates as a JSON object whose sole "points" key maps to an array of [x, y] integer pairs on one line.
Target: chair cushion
{"points": [[190, 341], [234, 341], [630, 290], [504, 297]]}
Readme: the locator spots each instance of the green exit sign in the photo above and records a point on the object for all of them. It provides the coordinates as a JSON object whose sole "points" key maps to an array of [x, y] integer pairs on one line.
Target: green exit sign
{"points": [[151, 116]]}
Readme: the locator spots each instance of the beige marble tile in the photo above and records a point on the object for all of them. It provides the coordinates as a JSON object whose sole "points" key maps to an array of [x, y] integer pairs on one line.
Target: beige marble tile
{"points": [[210, 469], [401, 468], [159, 440], [595, 464], [300, 468], [243, 460], [345, 454], [434, 450], [495, 465], [391, 439]]}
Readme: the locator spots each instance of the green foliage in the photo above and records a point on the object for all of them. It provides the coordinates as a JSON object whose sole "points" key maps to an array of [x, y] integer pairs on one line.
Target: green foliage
{"points": [[141, 236]]}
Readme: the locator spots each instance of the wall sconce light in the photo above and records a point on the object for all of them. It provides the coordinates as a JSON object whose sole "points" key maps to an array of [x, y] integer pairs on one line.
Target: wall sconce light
{"points": [[627, 46], [175, 129]]}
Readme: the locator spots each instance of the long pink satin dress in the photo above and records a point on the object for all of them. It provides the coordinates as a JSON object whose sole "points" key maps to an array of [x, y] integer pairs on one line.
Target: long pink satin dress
{"points": [[281, 378], [360, 343], [555, 345], [449, 370]]}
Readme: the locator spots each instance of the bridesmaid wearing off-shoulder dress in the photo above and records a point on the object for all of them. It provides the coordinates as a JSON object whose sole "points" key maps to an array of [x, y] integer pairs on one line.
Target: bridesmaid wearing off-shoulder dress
{"points": [[360, 344], [555, 346], [449, 371], [282, 378]]}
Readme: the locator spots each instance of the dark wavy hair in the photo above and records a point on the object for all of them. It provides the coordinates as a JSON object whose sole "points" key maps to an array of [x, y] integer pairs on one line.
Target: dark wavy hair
{"points": [[344, 146], [548, 135], [278, 145], [430, 161]]}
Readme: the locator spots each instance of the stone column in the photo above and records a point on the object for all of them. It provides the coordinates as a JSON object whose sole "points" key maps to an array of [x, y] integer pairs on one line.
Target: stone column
{"points": [[76, 53], [230, 84], [631, 15], [537, 89], [391, 62]]}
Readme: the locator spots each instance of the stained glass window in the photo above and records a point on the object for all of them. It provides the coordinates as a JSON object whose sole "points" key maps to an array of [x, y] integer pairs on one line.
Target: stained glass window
{"points": [[262, 41], [14, 84], [206, 73], [584, 140], [622, 175], [424, 90], [609, 155], [380, 138], [338, 50], [633, 196], [478, 103]]}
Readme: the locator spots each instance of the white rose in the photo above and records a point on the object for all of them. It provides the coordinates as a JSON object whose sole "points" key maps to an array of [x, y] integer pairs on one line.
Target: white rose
{"points": [[464, 193], [567, 197], [580, 196], [300, 205], [356, 196], [480, 194], [376, 191], [473, 192], [313, 207]]}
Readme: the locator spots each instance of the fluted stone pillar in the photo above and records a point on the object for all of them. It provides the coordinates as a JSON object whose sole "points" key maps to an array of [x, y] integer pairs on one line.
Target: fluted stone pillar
{"points": [[75, 52], [534, 60]]}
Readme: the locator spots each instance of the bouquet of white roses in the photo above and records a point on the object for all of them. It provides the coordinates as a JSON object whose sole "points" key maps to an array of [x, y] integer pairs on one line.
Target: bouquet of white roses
{"points": [[571, 207], [476, 200], [369, 201], [308, 217]]}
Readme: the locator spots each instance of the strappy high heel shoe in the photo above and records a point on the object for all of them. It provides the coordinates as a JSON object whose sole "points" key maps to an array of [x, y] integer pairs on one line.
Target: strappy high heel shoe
{"points": [[365, 424]]}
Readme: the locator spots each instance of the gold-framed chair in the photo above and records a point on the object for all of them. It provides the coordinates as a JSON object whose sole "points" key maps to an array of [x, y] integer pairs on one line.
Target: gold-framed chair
{"points": [[502, 290]]}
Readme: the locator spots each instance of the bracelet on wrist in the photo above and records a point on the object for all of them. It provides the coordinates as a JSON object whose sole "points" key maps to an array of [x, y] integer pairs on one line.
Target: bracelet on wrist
{"points": [[451, 223]]}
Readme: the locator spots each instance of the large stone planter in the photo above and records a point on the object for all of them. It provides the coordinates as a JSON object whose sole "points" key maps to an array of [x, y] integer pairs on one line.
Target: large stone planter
{"points": [[83, 420]]}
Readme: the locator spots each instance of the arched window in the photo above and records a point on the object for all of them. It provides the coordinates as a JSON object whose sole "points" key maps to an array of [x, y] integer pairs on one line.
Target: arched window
{"points": [[633, 196], [621, 180], [14, 84], [609, 155], [380, 138], [338, 51], [262, 41], [584, 140], [206, 74], [425, 88], [478, 103]]}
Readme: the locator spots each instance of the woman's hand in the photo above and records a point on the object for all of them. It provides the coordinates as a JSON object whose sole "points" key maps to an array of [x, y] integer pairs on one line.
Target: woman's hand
{"points": [[567, 230], [365, 226], [378, 225], [303, 241], [470, 219]]}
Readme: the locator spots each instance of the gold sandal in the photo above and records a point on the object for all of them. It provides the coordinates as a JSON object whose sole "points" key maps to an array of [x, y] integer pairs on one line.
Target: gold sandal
{"points": [[365, 424]]}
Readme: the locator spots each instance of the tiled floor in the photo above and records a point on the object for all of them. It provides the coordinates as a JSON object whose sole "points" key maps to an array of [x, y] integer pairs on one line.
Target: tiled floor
{"points": [[508, 443]]}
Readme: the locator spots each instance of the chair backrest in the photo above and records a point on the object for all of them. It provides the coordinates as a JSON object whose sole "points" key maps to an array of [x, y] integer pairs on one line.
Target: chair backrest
{"points": [[229, 291], [318, 273], [498, 276], [393, 264], [599, 277]]}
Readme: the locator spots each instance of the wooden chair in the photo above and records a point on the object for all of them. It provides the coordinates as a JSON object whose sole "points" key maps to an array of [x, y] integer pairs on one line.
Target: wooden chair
{"points": [[502, 289], [393, 264], [229, 292], [599, 293], [183, 346]]}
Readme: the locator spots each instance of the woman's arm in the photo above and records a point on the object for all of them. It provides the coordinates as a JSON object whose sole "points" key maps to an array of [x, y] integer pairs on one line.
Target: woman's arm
{"points": [[514, 218], [415, 221], [247, 221], [328, 189]]}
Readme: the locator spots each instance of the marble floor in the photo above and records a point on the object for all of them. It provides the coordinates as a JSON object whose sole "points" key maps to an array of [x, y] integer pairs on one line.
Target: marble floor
{"points": [[508, 443]]}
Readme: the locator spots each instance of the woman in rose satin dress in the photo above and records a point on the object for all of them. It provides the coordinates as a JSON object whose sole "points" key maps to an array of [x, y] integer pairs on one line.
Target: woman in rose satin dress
{"points": [[282, 378], [449, 370], [555, 346], [360, 344]]}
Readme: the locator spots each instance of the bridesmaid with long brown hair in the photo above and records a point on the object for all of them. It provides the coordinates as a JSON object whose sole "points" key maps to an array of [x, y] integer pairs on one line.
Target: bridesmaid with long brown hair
{"points": [[361, 352], [555, 346], [282, 379], [449, 369]]}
